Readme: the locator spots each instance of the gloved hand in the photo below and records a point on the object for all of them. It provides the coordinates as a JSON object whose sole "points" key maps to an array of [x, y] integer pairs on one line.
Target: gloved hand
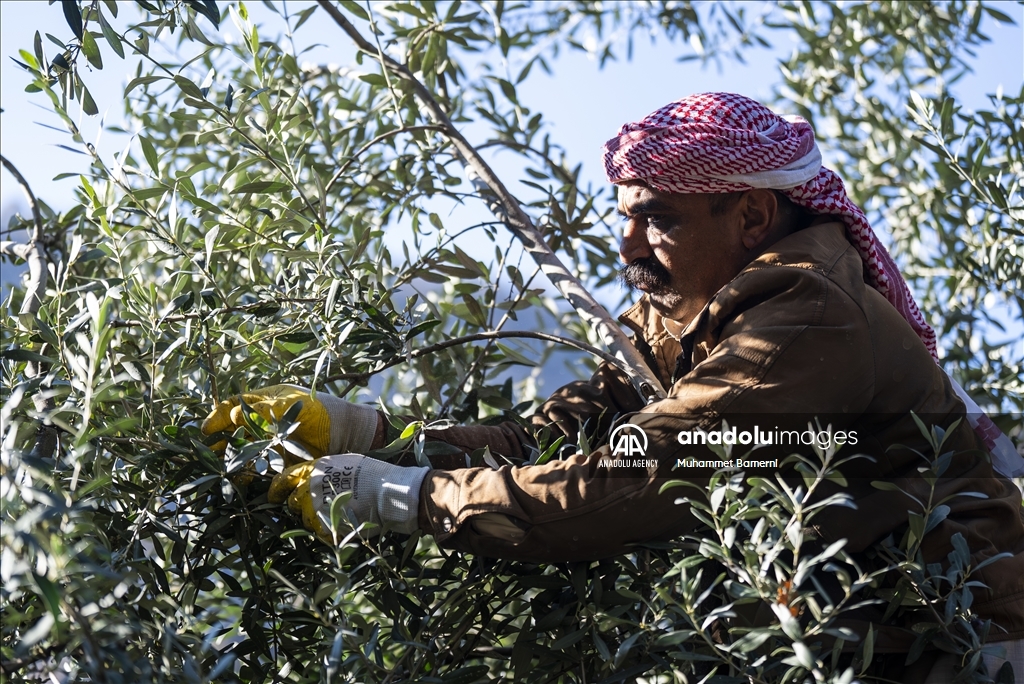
{"points": [[382, 493], [327, 424]]}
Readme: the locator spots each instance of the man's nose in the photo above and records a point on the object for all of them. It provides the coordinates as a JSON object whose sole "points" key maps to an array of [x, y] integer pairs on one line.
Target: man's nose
{"points": [[634, 244]]}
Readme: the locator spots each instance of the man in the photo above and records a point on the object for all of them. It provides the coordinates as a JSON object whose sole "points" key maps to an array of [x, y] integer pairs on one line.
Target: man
{"points": [[766, 293]]}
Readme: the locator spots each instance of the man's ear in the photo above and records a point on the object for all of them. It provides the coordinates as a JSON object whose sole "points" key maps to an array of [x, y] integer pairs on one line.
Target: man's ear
{"points": [[758, 209]]}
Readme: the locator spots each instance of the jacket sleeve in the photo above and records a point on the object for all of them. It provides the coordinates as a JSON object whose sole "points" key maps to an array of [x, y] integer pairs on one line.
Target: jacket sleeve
{"points": [[576, 509]]}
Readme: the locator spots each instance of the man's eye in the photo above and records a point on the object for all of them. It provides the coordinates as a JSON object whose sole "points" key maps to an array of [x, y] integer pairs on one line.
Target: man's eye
{"points": [[657, 223]]}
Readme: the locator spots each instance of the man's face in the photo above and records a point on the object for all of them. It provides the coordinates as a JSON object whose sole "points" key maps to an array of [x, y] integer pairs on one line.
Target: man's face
{"points": [[676, 250]]}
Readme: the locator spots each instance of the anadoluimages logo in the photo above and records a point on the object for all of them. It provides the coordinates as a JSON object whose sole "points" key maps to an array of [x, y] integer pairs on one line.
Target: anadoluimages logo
{"points": [[628, 440]]}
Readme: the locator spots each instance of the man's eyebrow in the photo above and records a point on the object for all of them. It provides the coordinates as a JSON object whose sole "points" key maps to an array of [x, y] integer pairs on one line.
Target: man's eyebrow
{"points": [[647, 206]]}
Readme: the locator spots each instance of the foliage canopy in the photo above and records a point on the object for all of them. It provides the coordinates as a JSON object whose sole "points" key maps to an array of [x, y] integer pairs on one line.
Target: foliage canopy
{"points": [[241, 239]]}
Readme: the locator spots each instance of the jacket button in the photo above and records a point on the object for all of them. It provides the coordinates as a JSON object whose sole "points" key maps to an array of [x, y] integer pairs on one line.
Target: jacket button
{"points": [[447, 524]]}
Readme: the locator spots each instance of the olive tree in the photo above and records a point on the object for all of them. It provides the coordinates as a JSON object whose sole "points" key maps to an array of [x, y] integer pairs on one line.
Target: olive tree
{"points": [[246, 236]]}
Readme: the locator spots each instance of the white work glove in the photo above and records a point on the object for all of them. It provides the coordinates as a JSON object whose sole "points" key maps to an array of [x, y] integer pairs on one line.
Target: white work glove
{"points": [[381, 493], [353, 426]]}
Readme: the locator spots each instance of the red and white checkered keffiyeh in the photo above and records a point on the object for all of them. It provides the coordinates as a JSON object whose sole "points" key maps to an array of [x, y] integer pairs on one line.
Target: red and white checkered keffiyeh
{"points": [[723, 142]]}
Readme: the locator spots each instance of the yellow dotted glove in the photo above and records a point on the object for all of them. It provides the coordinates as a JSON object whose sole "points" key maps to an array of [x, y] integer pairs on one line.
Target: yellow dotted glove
{"points": [[327, 424], [381, 493], [292, 485]]}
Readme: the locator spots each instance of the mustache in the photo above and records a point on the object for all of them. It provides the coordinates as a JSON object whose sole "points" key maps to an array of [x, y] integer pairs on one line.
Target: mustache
{"points": [[646, 274]]}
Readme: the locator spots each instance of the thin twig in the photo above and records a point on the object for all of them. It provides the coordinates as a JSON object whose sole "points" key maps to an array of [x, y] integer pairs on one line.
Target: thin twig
{"points": [[475, 337], [383, 63], [206, 315], [210, 362], [358, 153]]}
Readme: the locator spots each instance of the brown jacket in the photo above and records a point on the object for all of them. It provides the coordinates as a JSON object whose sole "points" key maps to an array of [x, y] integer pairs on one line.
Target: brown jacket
{"points": [[797, 332]]}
